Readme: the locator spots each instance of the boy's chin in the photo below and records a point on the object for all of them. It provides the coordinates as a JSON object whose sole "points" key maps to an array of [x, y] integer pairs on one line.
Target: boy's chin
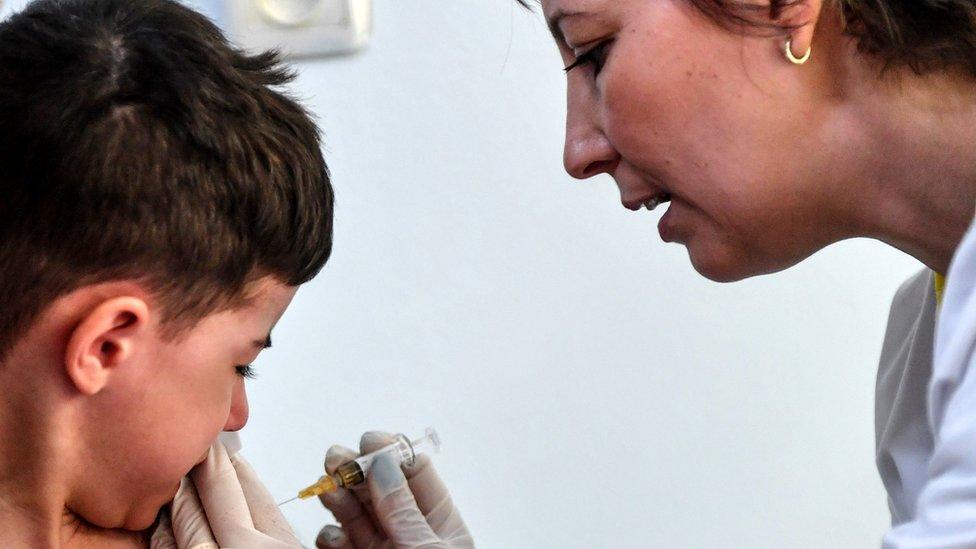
{"points": [[136, 519], [144, 516], [144, 512]]}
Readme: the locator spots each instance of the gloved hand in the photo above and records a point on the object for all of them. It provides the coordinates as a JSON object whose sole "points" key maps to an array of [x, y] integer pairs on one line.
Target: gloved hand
{"points": [[402, 508], [223, 504]]}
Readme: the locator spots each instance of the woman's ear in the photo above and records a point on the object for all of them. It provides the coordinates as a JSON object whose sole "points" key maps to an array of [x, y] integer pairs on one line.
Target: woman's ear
{"points": [[105, 339], [803, 16]]}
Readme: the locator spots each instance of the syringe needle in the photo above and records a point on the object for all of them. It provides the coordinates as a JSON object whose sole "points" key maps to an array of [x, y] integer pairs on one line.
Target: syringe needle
{"points": [[287, 501]]}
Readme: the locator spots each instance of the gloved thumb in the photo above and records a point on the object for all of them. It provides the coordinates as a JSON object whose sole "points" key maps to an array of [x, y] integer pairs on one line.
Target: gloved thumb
{"points": [[395, 507], [332, 537]]}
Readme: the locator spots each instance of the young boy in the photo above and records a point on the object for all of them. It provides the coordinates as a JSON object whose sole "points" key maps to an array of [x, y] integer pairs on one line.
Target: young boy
{"points": [[162, 200]]}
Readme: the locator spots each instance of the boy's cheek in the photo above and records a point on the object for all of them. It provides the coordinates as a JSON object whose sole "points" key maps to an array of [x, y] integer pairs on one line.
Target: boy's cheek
{"points": [[172, 424], [182, 439]]}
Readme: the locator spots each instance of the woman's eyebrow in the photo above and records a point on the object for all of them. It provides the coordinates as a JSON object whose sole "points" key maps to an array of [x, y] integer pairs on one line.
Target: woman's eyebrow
{"points": [[555, 20]]}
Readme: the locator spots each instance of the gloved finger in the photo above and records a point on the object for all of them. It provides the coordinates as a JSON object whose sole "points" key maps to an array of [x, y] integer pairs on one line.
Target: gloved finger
{"points": [[336, 456], [163, 537], [189, 520], [231, 441], [428, 489], [339, 455], [265, 513], [221, 494], [372, 441], [434, 501], [433, 498], [396, 508], [351, 514], [332, 537]]}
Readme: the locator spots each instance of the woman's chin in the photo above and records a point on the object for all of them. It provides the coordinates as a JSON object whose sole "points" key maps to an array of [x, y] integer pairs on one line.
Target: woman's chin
{"points": [[727, 263], [721, 264]]}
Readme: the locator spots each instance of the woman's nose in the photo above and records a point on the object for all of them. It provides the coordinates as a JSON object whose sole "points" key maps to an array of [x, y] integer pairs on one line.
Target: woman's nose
{"points": [[587, 151], [237, 418]]}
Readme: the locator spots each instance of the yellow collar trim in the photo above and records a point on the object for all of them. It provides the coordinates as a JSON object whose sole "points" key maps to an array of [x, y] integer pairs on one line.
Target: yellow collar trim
{"points": [[940, 282]]}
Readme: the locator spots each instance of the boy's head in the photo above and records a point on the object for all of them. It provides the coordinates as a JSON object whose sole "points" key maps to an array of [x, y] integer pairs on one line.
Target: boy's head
{"points": [[161, 202]]}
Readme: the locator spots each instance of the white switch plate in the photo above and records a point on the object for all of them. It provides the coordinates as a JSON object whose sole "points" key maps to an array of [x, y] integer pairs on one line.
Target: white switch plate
{"points": [[299, 28]]}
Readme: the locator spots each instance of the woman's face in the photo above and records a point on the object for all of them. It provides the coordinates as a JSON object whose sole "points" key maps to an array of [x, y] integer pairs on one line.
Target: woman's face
{"points": [[669, 103], [164, 409]]}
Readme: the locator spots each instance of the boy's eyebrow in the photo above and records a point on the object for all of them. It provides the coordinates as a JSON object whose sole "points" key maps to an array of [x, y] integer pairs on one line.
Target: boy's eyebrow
{"points": [[265, 344]]}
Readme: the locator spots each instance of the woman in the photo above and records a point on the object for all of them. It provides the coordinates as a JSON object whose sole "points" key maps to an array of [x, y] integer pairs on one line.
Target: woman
{"points": [[775, 129]]}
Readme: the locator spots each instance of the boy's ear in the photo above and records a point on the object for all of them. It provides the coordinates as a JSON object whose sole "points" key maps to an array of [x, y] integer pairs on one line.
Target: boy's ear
{"points": [[104, 339]]}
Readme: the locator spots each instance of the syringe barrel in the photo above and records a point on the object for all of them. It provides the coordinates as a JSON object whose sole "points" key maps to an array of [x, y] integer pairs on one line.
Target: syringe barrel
{"points": [[354, 472], [401, 450]]}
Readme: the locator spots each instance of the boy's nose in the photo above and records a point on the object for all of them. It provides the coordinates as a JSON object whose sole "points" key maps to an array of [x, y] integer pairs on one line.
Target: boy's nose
{"points": [[237, 418]]}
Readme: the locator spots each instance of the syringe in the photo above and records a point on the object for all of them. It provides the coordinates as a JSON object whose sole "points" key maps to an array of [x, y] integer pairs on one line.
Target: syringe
{"points": [[354, 472]]}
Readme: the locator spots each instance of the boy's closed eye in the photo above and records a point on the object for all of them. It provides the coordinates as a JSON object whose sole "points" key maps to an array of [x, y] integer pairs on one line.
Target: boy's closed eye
{"points": [[246, 371]]}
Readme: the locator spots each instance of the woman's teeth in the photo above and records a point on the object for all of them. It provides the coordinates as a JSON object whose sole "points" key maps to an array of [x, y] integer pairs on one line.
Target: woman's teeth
{"points": [[657, 201]]}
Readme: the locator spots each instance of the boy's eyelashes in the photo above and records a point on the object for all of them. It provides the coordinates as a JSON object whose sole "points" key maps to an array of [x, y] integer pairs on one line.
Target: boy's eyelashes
{"points": [[246, 371]]}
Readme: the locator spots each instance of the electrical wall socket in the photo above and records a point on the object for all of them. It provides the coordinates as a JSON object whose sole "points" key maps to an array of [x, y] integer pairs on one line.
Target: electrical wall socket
{"points": [[299, 28]]}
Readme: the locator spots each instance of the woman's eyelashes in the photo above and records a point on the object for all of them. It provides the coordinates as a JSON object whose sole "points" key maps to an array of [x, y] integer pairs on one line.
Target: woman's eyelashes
{"points": [[595, 56], [246, 371]]}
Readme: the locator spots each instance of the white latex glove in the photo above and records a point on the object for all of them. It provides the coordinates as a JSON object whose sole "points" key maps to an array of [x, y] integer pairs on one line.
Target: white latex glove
{"points": [[222, 504], [402, 508]]}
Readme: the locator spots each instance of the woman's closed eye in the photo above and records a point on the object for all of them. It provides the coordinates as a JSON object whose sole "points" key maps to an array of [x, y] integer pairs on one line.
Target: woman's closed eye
{"points": [[595, 56]]}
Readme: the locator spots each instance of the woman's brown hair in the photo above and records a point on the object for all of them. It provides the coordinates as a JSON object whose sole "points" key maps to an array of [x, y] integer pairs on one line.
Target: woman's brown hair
{"points": [[924, 35]]}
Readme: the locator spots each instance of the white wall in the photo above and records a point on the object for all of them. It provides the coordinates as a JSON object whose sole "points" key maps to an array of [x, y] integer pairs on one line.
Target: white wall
{"points": [[591, 389]]}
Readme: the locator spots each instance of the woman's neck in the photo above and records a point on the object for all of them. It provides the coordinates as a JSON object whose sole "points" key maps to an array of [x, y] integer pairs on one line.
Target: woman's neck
{"points": [[915, 152]]}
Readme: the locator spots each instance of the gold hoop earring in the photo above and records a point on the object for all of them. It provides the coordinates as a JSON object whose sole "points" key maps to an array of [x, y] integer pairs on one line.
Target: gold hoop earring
{"points": [[788, 49]]}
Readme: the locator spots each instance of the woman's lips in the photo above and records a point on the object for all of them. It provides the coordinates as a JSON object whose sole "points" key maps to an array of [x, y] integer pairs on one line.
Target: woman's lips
{"points": [[656, 201], [666, 225], [648, 201], [649, 197]]}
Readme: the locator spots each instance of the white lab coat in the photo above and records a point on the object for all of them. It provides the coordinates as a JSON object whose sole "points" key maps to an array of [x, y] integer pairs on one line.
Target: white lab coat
{"points": [[926, 409]]}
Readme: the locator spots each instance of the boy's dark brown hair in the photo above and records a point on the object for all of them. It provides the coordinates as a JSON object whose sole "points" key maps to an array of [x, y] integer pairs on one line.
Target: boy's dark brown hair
{"points": [[136, 143]]}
